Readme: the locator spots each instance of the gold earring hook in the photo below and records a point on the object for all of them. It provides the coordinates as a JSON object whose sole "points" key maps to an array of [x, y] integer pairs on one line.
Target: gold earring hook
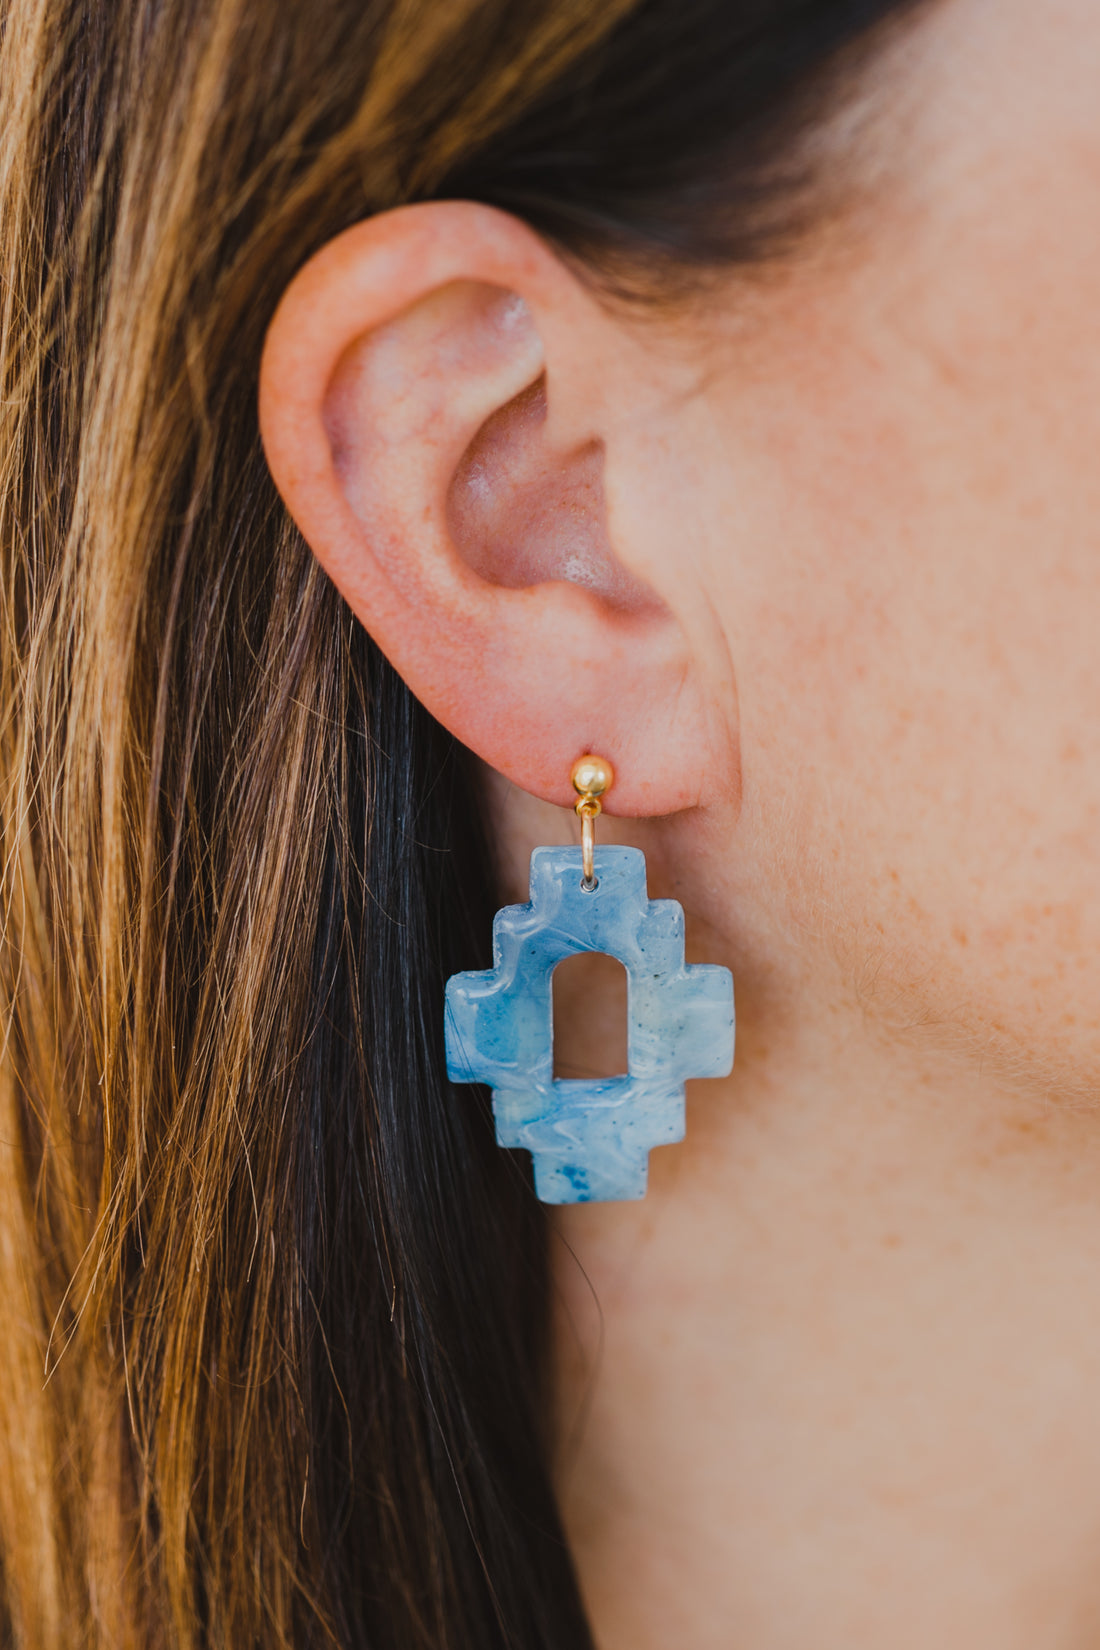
{"points": [[592, 778]]}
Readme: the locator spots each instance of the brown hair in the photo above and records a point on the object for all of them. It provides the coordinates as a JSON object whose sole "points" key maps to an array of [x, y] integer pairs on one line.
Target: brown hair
{"points": [[271, 1370]]}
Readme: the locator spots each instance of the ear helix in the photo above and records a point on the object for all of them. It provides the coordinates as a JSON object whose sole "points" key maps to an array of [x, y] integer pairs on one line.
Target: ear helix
{"points": [[589, 1139]]}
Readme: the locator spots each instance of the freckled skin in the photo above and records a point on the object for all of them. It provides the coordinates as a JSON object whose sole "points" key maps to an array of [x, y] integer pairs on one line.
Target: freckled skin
{"points": [[833, 1382], [840, 1387]]}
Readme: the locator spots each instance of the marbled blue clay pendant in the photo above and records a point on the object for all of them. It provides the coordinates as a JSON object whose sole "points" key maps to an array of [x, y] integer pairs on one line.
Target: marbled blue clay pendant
{"points": [[590, 1140]]}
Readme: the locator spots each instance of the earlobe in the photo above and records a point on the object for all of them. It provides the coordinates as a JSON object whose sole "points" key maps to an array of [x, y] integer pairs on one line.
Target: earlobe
{"points": [[403, 408]]}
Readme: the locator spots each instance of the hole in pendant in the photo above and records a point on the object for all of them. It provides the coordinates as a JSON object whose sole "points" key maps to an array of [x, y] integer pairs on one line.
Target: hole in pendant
{"points": [[589, 994]]}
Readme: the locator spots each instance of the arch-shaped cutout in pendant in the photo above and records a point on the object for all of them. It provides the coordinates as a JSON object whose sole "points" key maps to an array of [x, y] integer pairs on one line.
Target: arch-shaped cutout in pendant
{"points": [[589, 993], [589, 1139]]}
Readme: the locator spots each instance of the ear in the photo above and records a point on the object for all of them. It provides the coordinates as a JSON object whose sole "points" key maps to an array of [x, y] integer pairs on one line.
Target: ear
{"points": [[438, 397]]}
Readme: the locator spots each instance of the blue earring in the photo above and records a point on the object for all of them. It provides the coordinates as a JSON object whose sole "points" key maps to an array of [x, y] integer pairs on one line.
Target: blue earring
{"points": [[589, 1140]]}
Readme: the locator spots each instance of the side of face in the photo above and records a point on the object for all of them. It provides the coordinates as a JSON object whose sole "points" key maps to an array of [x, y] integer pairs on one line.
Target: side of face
{"points": [[832, 589], [902, 539]]}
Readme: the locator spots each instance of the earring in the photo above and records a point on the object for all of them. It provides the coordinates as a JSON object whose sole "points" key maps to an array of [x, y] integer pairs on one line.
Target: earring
{"points": [[589, 1140]]}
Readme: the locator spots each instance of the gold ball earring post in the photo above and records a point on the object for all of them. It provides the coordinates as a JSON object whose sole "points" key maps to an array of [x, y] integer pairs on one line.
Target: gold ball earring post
{"points": [[593, 777]]}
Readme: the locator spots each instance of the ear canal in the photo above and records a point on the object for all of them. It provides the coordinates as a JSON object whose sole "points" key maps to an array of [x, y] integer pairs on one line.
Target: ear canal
{"points": [[520, 514]]}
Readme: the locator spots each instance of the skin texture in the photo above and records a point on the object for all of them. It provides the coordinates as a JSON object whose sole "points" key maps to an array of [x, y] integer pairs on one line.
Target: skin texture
{"points": [[832, 610]]}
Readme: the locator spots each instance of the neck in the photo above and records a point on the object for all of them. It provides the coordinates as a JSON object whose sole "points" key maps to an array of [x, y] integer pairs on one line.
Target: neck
{"points": [[843, 1357]]}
